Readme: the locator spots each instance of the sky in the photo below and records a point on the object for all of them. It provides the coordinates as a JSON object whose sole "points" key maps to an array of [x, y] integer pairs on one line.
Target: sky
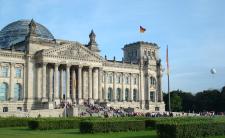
{"points": [[194, 31]]}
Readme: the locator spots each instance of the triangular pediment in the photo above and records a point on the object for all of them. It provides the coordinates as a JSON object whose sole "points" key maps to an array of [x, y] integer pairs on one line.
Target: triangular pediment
{"points": [[72, 50]]}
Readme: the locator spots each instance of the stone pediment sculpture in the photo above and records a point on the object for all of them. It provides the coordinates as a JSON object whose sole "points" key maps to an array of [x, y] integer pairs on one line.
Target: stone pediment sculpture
{"points": [[72, 50]]}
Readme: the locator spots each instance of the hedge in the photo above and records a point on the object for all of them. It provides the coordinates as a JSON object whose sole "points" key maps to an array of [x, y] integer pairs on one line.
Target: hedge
{"points": [[190, 129], [14, 122], [111, 126], [46, 124]]}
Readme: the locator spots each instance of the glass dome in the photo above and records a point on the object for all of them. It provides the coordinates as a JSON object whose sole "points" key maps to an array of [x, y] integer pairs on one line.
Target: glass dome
{"points": [[16, 32]]}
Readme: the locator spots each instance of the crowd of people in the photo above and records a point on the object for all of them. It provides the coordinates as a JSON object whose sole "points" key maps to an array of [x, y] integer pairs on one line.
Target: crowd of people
{"points": [[104, 111]]}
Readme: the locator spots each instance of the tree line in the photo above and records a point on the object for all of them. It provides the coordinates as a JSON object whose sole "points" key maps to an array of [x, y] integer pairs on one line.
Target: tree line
{"points": [[207, 100]]}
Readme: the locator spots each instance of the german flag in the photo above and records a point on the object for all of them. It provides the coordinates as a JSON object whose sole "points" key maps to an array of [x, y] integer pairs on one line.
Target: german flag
{"points": [[142, 29]]}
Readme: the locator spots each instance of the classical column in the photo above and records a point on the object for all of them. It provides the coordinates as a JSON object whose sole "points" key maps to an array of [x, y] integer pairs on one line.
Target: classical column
{"points": [[50, 83], [68, 82], [12, 72], [105, 88], [142, 89], [100, 84], [148, 88], [44, 66], [123, 92], [95, 84], [131, 88], [61, 84], [90, 83], [74, 85], [114, 86], [56, 84], [80, 83]]}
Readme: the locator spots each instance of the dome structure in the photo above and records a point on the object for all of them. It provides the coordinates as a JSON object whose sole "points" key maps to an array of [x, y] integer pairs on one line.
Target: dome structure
{"points": [[17, 31]]}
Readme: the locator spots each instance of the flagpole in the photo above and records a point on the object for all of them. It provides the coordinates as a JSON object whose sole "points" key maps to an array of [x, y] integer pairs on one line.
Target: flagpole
{"points": [[168, 77]]}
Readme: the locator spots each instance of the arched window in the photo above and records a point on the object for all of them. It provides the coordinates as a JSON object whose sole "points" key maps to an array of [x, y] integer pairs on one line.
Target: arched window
{"points": [[118, 94], [110, 94], [135, 95], [3, 91], [126, 94], [17, 92]]}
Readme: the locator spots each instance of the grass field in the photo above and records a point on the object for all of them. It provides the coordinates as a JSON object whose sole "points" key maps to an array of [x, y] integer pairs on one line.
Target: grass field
{"points": [[23, 132]]}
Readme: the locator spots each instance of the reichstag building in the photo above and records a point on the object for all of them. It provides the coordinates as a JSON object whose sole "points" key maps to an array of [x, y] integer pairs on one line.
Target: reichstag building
{"points": [[39, 72]]}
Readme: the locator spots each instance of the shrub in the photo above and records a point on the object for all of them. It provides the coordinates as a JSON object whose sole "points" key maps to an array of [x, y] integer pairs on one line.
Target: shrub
{"points": [[107, 125], [54, 123], [190, 128], [14, 122]]}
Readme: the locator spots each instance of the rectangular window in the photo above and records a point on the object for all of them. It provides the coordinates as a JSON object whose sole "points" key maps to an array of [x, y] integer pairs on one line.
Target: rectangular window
{"points": [[110, 79], [135, 81], [152, 99], [5, 109], [4, 71], [19, 108], [18, 72], [127, 80], [118, 79]]}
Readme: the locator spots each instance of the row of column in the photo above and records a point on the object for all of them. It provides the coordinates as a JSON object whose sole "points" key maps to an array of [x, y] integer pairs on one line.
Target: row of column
{"points": [[71, 86]]}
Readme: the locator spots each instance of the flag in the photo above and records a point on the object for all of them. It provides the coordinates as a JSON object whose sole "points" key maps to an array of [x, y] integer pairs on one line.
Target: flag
{"points": [[142, 29], [167, 61]]}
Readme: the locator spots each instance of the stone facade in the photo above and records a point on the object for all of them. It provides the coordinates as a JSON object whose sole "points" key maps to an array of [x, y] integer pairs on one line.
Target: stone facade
{"points": [[39, 73]]}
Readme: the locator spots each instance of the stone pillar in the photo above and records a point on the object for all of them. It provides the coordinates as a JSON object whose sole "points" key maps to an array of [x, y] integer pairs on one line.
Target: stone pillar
{"points": [[100, 84], [68, 82], [61, 84], [114, 87], [44, 95], [11, 91], [141, 88], [50, 84], [74, 85], [39, 81], [80, 84], [123, 91], [56, 84], [95, 84], [148, 88], [131, 88], [105, 88], [90, 84]]}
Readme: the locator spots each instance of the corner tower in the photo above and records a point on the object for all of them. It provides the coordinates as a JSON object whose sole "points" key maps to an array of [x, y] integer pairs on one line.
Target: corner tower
{"points": [[140, 52], [92, 45]]}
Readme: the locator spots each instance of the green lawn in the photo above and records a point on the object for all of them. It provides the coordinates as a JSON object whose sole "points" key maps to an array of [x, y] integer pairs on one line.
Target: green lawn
{"points": [[23, 132], [70, 133]]}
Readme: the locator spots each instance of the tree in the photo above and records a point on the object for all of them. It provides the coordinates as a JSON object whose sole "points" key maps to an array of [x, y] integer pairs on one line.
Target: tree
{"points": [[175, 100]]}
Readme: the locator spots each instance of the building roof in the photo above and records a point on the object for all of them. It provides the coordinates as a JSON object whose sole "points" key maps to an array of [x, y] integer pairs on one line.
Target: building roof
{"points": [[17, 31], [139, 43]]}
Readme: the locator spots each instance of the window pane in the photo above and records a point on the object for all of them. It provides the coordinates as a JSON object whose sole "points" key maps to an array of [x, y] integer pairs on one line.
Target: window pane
{"points": [[4, 71], [18, 72], [3, 91]]}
